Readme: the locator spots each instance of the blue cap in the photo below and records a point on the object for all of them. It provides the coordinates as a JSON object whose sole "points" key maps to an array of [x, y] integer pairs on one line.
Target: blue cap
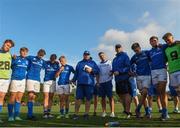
{"points": [[86, 53]]}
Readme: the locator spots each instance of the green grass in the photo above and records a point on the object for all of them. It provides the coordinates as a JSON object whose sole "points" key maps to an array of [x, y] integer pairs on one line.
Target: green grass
{"points": [[93, 121]]}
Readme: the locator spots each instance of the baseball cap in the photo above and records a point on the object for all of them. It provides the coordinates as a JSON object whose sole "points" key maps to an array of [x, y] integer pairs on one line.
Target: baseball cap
{"points": [[86, 53]]}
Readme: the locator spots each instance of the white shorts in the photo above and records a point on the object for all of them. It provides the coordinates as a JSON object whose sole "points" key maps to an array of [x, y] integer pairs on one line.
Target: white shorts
{"points": [[4, 85], [159, 75], [175, 79], [49, 86], [143, 82], [63, 89], [18, 86], [33, 86]]}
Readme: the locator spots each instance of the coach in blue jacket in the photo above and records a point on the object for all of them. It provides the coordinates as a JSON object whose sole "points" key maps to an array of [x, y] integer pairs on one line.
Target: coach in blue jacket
{"points": [[120, 69], [85, 72]]}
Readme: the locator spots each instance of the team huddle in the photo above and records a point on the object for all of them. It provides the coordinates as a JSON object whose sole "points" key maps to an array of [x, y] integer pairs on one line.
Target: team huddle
{"points": [[146, 72]]}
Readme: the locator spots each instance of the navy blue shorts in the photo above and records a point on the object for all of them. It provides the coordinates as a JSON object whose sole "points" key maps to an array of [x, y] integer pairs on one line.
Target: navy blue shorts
{"points": [[84, 91], [152, 91], [173, 91], [96, 91], [105, 89], [123, 87]]}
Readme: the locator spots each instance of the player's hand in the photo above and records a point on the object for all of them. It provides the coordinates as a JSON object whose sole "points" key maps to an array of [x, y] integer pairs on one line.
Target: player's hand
{"points": [[14, 56], [88, 70], [116, 73], [61, 68]]}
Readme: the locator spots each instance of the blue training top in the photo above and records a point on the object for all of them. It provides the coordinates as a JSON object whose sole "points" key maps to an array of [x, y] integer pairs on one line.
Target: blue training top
{"points": [[50, 70], [34, 69], [142, 63], [19, 68]]}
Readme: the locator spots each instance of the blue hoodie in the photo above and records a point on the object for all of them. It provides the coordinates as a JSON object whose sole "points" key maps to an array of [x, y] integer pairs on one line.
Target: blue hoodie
{"points": [[82, 77], [34, 69], [142, 62], [121, 63], [19, 68], [157, 56], [50, 70]]}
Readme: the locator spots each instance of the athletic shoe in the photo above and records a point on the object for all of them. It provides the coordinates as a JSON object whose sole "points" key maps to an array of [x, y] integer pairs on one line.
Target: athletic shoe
{"points": [[86, 116], [103, 114], [164, 117], [50, 116], [60, 117], [75, 117], [33, 118], [66, 116], [149, 116], [45, 116], [17, 118], [112, 115], [127, 115], [11, 119], [176, 111]]}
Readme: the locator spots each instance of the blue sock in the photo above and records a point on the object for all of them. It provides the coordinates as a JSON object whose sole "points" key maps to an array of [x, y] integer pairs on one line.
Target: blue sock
{"points": [[62, 111], [49, 110], [10, 110], [139, 107], [45, 111], [67, 110], [164, 112], [147, 110], [0, 108], [30, 109], [17, 107]]}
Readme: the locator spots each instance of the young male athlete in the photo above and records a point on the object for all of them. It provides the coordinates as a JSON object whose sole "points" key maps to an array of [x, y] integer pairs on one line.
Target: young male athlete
{"points": [[49, 87], [104, 81], [143, 77], [63, 87], [5, 70], [172, 53], [159, 72], [18, 83], [120, 69], [36, 63]]}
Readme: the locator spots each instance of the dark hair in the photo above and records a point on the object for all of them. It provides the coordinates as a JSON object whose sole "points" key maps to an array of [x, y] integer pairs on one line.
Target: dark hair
{"points": [[10, 41], [24, 49], [53, 55], [135, 45], [166, 35], [42, 51], [100, 53], [153, 37], [118, 46], [62, 57]]}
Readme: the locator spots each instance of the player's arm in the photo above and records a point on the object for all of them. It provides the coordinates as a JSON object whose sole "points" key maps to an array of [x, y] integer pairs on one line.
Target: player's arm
{"points": [[59, 71]]}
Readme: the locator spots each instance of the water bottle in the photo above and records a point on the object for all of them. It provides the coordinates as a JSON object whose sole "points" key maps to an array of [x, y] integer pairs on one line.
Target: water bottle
{"points": [[112, 124]]}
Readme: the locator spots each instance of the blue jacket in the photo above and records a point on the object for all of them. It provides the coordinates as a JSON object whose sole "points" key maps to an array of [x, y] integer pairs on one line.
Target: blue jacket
{"points": [[121, 63], [157, 56], [19, 68], [34, 69], [82, 77], [142, 62], [50, 70], [65, 75]]}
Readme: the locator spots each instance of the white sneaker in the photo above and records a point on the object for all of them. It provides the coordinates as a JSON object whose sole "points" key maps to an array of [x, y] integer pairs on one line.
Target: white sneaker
{"points": [[103, 114], [45, 116], [112, 115]]}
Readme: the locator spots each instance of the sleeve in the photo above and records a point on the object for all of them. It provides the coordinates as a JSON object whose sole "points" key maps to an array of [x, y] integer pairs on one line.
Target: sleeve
{"points": [[148, 56], [95, 69], [72, 69], [127, 65], [76, 73], [13, 63]]}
